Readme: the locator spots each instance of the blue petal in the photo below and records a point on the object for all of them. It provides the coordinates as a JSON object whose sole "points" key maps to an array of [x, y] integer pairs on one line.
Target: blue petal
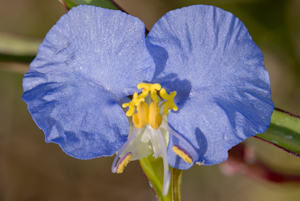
{"points": [[207, 55], [86, 66]]}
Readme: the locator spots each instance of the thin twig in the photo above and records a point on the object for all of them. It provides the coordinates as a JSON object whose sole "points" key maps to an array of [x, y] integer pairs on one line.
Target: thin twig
{"points": [[66, 7]]}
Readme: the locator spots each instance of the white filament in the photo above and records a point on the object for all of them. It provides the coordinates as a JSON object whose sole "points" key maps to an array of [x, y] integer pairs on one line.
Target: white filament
{"points": [[133, 134], [179, 137]]}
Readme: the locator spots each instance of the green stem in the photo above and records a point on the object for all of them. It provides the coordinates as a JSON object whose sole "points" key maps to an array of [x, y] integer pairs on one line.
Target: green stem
{"points": [[177, 175]]}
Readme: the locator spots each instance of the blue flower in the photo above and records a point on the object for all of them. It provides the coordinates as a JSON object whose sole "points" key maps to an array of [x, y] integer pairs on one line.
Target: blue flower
{"points": [[214, 91]]}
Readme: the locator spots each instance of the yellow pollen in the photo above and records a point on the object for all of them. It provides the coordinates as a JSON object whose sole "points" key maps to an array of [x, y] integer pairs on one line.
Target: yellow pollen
{"points": [[155, 118], [124, 163], [183, 155], [134, 102], [140, 119], [169, 105], [147, 87]]}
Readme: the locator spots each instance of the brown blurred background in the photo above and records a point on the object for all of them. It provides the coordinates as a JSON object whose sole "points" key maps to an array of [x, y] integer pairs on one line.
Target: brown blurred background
{"points": [[30, 169]]}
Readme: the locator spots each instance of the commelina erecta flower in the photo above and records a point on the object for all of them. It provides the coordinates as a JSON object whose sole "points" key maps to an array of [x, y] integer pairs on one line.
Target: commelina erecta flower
{"points": [[197, 84]]}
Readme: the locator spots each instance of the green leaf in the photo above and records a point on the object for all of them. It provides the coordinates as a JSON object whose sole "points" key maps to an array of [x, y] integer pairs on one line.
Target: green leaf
{"points": [[284, 132], [17, 48], [18, 45], [153, 169], [100, 3]]}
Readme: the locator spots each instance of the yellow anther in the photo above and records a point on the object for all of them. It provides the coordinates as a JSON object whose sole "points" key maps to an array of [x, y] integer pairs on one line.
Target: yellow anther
{"points": [[155, 118], [134, 102], [169, 105], [140, 119], [124, 163], [182, 154], [147, 87]]}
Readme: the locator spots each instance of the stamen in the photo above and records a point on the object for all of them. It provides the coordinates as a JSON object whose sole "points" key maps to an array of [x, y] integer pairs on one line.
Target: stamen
{"points": [[155, 118], [166, 181], [134, 102], [140, 119], [122, 163], [193, 153], [182, 153], [169, 105], [131, 137], [147, 87]]}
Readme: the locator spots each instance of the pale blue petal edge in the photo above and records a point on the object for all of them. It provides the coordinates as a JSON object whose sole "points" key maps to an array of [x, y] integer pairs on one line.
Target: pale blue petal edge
{"points": [[207, 55], [86, 66]]}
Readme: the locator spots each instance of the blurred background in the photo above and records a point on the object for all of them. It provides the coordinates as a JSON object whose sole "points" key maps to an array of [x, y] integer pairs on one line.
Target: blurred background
{"points": [[30, 169]]}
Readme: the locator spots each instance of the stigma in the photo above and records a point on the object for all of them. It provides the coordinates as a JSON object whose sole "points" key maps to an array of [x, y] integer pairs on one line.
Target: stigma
{"points": [[149, 130]]}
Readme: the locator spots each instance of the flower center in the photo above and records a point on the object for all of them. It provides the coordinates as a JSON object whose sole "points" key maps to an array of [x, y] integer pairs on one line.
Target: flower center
{"points": [[146, 115], [150, 130]]}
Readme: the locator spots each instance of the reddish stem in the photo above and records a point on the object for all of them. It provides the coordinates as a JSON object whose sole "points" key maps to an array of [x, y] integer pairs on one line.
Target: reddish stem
{"points": [[280, 110], [288, 151], [239, 162], [118, 6], [66, 7]]}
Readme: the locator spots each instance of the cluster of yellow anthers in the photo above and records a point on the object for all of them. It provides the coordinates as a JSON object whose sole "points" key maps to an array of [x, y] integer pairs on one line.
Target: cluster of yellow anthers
{"points": [[150, 114]]}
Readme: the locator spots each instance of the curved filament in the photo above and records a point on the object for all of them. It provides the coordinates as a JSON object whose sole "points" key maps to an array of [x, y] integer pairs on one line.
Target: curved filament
{"points": [[133, 134], [179, 137]]}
